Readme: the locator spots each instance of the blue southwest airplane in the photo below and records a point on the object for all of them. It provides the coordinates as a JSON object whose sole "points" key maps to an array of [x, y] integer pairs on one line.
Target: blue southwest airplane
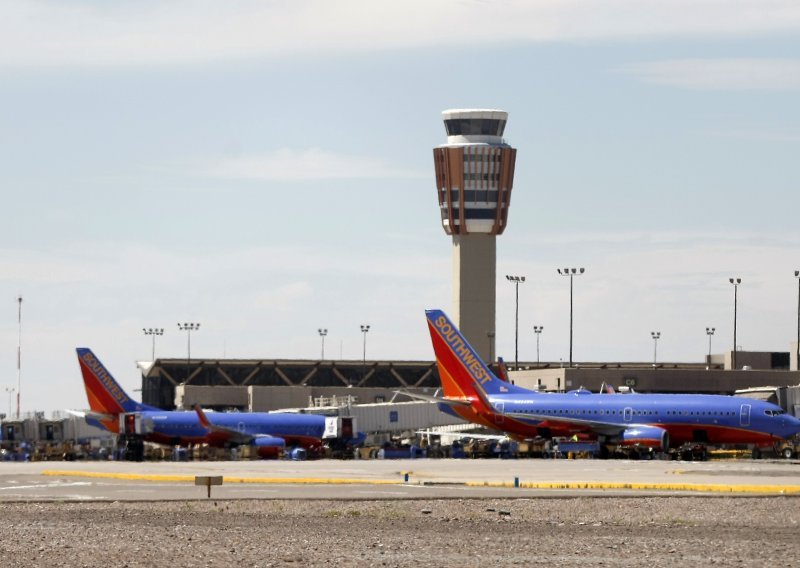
{"points": [[658, 421], [268, 433]]}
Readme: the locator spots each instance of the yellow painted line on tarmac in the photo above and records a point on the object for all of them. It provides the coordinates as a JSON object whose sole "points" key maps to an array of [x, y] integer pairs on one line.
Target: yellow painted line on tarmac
{"points": [[689, 487], [702, 487], [226, 479]]}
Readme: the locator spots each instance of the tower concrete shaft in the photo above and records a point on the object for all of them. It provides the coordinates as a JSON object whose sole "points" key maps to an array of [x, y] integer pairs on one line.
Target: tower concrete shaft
{"points": [[474, 178]]}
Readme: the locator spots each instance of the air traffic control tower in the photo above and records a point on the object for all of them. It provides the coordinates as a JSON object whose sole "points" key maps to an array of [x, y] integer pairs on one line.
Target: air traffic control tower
{"points": [[474, 176]]}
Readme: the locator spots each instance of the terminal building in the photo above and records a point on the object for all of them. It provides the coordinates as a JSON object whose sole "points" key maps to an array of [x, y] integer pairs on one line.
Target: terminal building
{"points": [[267, 384]]}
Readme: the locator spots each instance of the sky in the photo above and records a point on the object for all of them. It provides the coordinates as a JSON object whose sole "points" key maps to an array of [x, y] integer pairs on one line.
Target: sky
{"points": [[265, 169]]}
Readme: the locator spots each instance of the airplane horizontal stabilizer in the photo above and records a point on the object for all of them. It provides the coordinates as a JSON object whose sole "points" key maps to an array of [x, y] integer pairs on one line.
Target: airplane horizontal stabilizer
{"points": [[436, 399], [91, 415]]}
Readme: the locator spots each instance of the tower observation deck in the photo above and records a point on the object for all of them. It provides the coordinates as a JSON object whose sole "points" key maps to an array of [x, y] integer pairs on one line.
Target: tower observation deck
{"points": [[474, 177]]}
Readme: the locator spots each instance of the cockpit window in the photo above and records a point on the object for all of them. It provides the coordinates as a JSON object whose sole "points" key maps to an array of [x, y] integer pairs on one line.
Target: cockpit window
{"points": [[774, 412]]}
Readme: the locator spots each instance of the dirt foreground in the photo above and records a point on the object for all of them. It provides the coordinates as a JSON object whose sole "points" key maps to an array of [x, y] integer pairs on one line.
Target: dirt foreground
{"points": [[564, 532]]}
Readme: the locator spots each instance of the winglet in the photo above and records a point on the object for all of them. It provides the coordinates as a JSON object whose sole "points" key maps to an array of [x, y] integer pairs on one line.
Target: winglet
{"points": [[606, 388], [204, 421], [502, 370]]}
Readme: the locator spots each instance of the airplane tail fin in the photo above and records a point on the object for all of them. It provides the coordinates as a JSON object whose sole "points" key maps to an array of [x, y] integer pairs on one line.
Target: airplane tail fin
{"points": [[463, 373], [106, 396]]}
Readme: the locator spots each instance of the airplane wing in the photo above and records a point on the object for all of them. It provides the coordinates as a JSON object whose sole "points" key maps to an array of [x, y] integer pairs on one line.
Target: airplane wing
{"points": [[447, 401], [227, 434], [598, 426]]}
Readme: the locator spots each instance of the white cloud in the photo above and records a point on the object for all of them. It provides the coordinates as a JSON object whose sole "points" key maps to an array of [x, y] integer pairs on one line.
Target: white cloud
{"points": [[287, 164], [743, 74], [50, 33]]}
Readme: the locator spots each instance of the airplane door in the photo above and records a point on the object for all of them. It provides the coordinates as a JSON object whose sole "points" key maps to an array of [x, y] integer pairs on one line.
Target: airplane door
{"points": [[627, 414], [501, 408], [744, 415]]}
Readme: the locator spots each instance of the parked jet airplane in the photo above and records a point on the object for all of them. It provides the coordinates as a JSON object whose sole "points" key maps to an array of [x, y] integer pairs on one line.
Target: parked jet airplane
{"points": [[658, 421], [268, 433]]}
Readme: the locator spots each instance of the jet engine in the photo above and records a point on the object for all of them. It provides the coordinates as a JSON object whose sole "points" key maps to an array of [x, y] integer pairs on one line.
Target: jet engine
{"points": [[268, 446], [646, 436]]}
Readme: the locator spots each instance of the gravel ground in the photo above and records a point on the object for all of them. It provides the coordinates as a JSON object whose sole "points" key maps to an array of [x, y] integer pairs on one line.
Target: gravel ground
{"points": [[563, 532]]}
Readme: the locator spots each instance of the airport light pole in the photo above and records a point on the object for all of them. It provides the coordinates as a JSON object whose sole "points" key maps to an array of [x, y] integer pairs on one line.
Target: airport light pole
{"points": [[153, 331], [188, 328], [710, 332], [364, 331], [537, 329], [322, 333], [735, 282], [19, 352], [516, 280], [571, 272], [655, 335], [490, 335], [797, 351]]}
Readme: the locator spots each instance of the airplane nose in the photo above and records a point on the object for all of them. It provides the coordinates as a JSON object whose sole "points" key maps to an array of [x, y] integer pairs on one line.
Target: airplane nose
{"points": [[793, 426]]}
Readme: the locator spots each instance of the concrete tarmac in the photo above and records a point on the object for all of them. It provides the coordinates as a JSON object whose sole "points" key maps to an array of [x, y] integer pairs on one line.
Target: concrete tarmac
{"points": [[392, 479]]}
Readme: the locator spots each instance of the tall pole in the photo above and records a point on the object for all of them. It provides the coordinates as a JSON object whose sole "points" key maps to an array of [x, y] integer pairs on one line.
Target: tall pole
{"points": [[571, 272], [188, 328], [710, 332], [655, 335], [364, 330], [154, 331], [322, 333], [516, 280], [797, 351], [490, 335], [537, 329], [19, 352], [735, 282]]}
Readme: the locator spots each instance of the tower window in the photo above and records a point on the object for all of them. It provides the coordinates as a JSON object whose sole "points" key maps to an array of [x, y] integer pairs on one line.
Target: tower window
{"points": [[474, 126]]}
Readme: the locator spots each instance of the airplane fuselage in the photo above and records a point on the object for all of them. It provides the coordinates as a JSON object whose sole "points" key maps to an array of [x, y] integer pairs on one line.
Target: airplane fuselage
{"points": [[657, 421], [183, 428], [713, 419]]}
